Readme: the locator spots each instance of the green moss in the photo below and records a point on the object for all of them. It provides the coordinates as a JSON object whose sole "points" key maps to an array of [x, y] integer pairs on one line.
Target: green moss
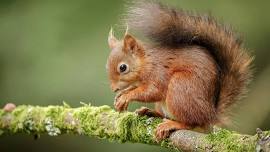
{"points": [[101, 122], [141, 129], [124, 127], [1, 132], [224, 140], [104, 122]]}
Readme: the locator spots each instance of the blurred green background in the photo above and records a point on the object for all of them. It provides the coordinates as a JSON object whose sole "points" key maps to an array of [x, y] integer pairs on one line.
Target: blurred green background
{"points": [[55, 50]]}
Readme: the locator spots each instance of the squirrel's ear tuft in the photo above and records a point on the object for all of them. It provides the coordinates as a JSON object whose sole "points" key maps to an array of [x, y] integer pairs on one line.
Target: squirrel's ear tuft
{"points": [[131, 45], [112, 41]]}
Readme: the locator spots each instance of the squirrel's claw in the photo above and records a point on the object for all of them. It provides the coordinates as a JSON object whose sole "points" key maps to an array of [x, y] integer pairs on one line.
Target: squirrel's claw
{"points": [[143, 111], [163, 132], [165, 129], [121, 103], [121, 100]]}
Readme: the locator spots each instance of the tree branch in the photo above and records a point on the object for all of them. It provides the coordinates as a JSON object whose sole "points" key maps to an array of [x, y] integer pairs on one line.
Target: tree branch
{"points": [[103, 122]]}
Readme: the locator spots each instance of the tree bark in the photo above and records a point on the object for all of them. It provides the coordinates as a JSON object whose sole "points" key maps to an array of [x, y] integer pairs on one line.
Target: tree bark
{"points": [[103, 122]]}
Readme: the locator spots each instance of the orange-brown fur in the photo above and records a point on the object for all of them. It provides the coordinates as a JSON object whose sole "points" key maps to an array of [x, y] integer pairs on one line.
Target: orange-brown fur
{"points": [[193, 69]]}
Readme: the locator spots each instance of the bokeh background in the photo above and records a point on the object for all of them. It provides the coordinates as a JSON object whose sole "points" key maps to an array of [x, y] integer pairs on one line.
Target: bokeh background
{"points": [[55, 50]]}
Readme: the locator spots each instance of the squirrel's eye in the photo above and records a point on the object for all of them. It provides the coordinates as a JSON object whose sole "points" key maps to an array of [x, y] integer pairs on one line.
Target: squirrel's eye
{"points": [[123, 68]]}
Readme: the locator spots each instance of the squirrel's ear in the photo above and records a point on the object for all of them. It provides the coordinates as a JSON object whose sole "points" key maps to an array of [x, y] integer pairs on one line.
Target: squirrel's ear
{"points": [[131, 44], [112, 41]]}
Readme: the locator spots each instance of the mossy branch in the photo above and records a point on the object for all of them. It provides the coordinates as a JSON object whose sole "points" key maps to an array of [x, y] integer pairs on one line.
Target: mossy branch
{"points": [[103, 122]]}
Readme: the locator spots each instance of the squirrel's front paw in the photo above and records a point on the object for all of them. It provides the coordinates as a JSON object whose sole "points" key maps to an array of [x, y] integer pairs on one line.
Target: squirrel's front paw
{"points": [[121, 103]]}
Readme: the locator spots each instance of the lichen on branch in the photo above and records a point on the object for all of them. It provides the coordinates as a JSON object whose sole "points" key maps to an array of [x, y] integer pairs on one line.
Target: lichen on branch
{"points": [[104, 122], [101, 122]]}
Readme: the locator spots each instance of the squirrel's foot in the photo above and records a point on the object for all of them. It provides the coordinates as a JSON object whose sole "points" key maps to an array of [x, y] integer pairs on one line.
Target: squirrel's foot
{"points": [[9, 107], [165, 128], [144, 111]]}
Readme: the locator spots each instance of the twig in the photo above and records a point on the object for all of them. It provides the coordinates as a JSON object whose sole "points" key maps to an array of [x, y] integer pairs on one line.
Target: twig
{"points": [[103, 122]]}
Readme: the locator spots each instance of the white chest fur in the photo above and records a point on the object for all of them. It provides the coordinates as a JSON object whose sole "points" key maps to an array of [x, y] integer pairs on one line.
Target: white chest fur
{"points": [[165, 111]]}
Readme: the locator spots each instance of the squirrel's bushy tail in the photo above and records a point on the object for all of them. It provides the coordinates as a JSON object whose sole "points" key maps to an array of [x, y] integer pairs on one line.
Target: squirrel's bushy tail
{"points": [[172, 28]]}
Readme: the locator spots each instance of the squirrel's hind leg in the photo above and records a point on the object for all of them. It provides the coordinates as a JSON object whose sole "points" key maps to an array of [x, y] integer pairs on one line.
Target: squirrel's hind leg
{"points": [[189, 100]]}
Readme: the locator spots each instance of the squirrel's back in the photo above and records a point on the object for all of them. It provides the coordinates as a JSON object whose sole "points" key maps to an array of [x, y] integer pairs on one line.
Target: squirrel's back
{"points": [[172, 28]]}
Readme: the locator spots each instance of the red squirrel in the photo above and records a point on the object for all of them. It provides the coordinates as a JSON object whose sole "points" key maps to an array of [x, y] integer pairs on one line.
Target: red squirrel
{"points": [[192, 67]]}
